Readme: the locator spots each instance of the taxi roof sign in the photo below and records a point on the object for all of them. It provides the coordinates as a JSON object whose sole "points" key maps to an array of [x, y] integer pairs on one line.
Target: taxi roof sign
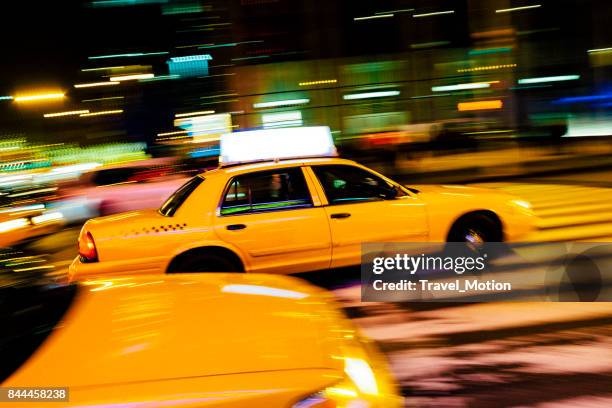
{"points": [[276, 144]]}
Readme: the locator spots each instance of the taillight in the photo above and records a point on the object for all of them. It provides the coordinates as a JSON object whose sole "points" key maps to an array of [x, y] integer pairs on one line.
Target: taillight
{"points": [[87, 248]]}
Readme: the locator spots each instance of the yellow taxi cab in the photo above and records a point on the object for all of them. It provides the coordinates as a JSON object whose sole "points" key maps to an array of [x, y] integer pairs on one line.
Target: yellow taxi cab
{"points": [[289, 214], [186, 340]]}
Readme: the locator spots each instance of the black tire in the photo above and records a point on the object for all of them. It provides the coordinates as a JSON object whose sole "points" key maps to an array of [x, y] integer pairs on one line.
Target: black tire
{"points": [[476, 228], [204, 263]]}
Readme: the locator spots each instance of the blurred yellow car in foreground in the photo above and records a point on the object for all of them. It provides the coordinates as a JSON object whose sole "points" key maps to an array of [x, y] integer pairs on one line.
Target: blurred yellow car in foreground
{"points": [[189, 340], [290, 216], [18, 225]]}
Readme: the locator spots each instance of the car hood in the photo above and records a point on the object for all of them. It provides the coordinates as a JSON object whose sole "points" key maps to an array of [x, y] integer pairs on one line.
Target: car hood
{"points": [[454, 188], [126, 330]]}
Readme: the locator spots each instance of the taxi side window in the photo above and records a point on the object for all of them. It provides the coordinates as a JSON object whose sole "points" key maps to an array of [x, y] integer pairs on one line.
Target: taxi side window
{"points": [[266, 191], [348, 184]]}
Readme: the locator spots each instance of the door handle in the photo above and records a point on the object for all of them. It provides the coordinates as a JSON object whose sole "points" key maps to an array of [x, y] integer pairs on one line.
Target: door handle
{"points": [[234, 227], [340, 215]]}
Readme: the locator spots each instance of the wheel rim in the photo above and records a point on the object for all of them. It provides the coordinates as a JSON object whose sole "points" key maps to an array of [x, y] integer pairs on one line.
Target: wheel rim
{"points": [[474, 237]]}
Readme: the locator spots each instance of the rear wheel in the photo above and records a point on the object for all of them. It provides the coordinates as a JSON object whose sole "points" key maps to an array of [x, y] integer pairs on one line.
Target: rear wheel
{"points": [[204, 263]]}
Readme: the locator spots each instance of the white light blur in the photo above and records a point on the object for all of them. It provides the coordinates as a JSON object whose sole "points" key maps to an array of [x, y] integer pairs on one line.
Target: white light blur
{"points": [[281, 103], [68, 113], [367, 95], [184, 115], [361, 374], [549, 79], [95, 84], [282, 119], [436, 13], [522, 203], [73, 168], [460, 87], [50, 216], [100, 113], [12, 225], [31, 207], [373, 17], [509, 10], [263, 291], [131, 77], [271, 144], [596, 50]]}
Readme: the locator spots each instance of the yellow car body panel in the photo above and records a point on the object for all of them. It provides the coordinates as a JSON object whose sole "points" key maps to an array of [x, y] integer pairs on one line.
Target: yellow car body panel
{"points": [[187, 340], [289, 240]]}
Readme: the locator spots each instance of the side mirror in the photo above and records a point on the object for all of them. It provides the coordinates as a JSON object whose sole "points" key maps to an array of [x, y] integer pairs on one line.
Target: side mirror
{"points": [[389, 193]]}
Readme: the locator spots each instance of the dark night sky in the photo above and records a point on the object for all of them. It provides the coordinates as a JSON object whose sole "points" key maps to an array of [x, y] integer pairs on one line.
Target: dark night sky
{"points": [[47, 42]]}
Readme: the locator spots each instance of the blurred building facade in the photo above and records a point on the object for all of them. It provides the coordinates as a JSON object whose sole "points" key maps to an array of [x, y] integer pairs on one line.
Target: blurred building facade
{"points": [[501, 67]]}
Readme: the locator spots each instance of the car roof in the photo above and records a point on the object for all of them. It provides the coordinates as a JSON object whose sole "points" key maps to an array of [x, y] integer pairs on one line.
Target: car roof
{"points": [[271, 165]]}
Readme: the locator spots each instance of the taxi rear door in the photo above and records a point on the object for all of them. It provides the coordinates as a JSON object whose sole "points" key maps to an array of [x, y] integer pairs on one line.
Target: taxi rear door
{"points": [[275, 221], [364, 207]]}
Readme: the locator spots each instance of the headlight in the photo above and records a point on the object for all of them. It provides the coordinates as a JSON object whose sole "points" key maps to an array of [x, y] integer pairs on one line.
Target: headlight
{"points": [[357, 390]]}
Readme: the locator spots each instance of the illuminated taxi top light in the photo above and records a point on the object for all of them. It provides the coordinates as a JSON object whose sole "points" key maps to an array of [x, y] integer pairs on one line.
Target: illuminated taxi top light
{"points": [[273, 144]]}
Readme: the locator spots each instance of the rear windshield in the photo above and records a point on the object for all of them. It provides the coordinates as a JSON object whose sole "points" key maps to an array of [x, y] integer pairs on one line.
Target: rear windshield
{"points": [[176, 200], [28, 315]]}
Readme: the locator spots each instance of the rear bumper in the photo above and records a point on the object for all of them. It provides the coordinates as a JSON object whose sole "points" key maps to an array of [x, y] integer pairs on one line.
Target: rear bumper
{"points": [[79, 270]]}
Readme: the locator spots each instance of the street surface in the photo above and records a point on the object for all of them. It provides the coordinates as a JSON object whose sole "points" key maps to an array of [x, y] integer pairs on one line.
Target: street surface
{"points": [[491, 354]]}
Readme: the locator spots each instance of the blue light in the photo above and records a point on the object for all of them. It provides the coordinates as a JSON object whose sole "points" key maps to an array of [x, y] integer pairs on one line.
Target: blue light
{"points": [[586, 98], [189, 66]]}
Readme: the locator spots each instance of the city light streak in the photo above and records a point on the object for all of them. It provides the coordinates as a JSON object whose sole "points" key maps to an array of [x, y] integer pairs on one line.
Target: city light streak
{"points": [[372, 17], [480, 105], [509, 10], [68, 113], [40, 97], [436, 13], [367, 95], [131, 77], [100, 113], [548, 79], [95, 84]]}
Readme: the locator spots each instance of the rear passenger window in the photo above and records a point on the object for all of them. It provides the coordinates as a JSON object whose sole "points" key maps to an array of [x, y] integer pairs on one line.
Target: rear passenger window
{"points": [[266, 191]]}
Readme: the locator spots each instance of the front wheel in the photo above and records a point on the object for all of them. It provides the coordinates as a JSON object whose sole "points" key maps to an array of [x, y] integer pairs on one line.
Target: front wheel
{"points": [[476, 230]]}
